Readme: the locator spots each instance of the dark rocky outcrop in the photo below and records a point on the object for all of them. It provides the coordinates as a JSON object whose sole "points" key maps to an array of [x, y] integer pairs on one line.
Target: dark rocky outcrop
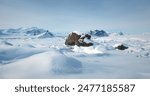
{"points": [[121, 47], [75, 39], [86, 44], [86, 36], [72, 39]]}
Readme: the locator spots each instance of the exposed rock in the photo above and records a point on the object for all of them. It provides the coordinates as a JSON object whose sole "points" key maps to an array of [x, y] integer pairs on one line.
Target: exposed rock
{"points": [[121, 47], [99, 33], [75, 39], [86, 36], [86, 44], [72, 39]]}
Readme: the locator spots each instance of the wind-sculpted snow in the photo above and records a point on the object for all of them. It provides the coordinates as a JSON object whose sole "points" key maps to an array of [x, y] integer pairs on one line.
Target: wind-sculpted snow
{"points": [[62, 64], [42, 65], [87, 50], [50, 58], [8, 55]]}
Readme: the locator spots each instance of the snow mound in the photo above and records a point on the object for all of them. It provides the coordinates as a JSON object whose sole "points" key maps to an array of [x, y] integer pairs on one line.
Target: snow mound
{"points": [[12, 54], [62, 64], [87, 50], [116, 34], [42, 65]]}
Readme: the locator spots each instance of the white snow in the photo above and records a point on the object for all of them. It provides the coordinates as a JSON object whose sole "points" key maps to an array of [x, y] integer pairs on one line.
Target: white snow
{"points": [[42, 65], [78, 32], [27, 57], [87, 50]]}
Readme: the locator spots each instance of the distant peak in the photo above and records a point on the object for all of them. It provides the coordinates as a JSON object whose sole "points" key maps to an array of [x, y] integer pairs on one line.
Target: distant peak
{"points": [[99, 33]]}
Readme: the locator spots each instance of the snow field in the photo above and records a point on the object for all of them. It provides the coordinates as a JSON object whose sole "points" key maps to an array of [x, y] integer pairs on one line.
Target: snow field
{"points": [[26, 57]]}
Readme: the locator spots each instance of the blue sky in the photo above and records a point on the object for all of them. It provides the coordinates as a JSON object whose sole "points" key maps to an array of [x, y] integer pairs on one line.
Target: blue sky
{"points": [[129, 16]]}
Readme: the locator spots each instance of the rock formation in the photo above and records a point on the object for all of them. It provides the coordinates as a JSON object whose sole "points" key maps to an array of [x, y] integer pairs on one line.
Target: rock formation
{"points": [[121, 47], [75, 39]]}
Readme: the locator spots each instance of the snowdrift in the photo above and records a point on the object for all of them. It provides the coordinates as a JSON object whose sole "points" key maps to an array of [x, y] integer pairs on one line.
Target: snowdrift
{"points": [[42, 65]]}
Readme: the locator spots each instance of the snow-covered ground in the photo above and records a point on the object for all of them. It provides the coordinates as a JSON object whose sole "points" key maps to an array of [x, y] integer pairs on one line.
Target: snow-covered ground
{"points": [[29, 57]]}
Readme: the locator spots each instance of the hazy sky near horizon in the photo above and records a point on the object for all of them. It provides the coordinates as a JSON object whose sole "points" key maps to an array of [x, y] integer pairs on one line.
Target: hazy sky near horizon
{"points": [[130, 16]]}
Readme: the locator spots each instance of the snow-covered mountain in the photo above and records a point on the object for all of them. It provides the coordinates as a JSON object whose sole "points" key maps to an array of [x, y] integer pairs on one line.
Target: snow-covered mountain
{"points": [[100, 33], [28, 32]]}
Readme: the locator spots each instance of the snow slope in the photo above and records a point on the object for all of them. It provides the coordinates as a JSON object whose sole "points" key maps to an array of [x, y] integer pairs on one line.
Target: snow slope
{"points": [[42, 65], [50, 58]]}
